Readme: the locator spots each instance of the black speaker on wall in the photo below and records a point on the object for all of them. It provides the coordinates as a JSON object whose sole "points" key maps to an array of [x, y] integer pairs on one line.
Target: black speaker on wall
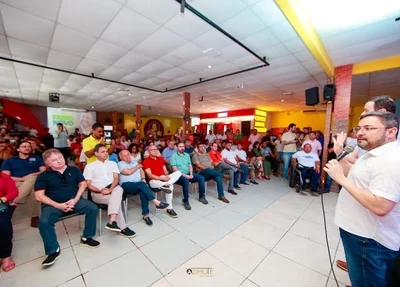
{"points": [[329, 92], [312, 96]]}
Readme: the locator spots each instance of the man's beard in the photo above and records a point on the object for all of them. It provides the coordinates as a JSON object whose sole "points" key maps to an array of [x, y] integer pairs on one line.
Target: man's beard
{"points": [[370, 145]]}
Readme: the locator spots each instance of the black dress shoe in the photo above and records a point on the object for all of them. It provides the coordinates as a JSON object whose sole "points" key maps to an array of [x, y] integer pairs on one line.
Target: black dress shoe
{"points": [[162, 205], [237, 187], [148, 221], [232, 192]]}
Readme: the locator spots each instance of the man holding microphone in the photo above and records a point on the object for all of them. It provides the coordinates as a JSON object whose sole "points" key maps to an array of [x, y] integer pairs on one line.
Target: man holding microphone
{"points": [[368, 208]]}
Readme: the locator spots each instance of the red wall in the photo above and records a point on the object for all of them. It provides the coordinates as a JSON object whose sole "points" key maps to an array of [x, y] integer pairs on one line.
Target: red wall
{"points": [[22, 114], [238, 113]]}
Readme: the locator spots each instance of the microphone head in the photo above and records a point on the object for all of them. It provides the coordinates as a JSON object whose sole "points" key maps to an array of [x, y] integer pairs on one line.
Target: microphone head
{"points": [[349, 148]]}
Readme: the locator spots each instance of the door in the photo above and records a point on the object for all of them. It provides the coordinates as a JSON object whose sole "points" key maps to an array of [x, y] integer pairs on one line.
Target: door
{"points": [[246, 128]]}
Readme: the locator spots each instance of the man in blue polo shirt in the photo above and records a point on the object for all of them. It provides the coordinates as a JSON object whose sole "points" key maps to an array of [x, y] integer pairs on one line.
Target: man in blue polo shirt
{"points": [[60, 190], [181, 161], [24, 169], [167, 154]]}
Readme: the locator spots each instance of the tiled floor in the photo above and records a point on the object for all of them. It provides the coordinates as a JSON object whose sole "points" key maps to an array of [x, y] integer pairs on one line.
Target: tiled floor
{"points": [[267, 236]]}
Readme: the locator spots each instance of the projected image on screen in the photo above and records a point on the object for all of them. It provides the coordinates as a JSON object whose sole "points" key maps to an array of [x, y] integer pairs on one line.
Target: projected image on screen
{"points": [[71, 119]]}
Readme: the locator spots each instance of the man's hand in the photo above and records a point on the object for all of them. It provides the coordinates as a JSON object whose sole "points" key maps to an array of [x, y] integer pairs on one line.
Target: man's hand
{"points": [[106, 191], [103, 141], [338, 143], [237, 165], [165, 178], [64, 207], [335, 170], [190, 176]]}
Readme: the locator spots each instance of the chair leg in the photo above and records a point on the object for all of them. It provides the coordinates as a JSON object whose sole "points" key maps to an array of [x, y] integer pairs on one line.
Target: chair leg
{"points": [[99, 222], [125, 203]]}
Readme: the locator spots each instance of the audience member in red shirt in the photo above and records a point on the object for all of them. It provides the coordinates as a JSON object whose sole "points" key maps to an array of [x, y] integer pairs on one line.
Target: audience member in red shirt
{"points": [[157, 172], [8, 192], [220, 165]]}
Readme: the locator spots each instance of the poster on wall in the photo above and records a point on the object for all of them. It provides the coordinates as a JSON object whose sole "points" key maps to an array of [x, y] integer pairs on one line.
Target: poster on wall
{"points": [[71, 119], [154, 127]]}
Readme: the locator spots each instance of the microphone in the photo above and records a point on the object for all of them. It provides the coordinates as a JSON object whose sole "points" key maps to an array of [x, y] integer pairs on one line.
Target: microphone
{"points": [[347, 150]]}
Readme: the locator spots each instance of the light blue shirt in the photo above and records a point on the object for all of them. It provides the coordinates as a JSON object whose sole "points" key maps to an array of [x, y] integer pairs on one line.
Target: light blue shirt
{"points": [[134, 177], [167, 153], [60, 140]]}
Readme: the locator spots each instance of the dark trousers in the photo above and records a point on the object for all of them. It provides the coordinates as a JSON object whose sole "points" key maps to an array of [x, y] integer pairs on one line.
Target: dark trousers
{"points": [[274, 163], [144, 192], [370, 263], [314, 178], [6, 232], [216, 176], [184, 182], [50, 216], [243, 178]]}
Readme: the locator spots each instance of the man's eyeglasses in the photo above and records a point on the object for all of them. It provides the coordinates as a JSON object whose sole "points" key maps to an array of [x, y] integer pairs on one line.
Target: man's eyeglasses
{"points": [[152, 149], [367, 129]]}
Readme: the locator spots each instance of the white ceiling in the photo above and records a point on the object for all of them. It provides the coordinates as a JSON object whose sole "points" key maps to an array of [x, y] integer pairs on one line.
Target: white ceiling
{"points": [[150, 43]]}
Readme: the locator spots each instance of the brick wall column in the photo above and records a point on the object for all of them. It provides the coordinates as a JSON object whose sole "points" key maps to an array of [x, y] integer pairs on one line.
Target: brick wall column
{"points": [[186, 115], [138, 121], [114, 121], [328, 122], [341, 112], [341, 109]]}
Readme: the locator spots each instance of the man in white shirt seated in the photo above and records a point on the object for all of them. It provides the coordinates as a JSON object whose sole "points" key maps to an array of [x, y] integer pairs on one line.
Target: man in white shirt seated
{"points": [[230, 158], [368, 207], [314, 143], [254, 137], [133, 181], [309, 165], [211, 137], [102, 177]]}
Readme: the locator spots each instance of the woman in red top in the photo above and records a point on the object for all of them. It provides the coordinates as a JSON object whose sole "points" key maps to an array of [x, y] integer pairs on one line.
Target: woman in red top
{"points": [[8, 192]]}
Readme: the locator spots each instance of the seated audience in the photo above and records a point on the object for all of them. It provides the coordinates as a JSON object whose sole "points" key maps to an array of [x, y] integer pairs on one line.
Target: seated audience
{"points": [[158, 176], [167, 154], [203, 166], [24, 169], [8, 192], [304, 160], [102, 178], [220, 165], [263, 166], [133, 181], [60, 190], [268, 155], [188, 148], [134, 150], [230, 158], [180, 161], [248, 158]]}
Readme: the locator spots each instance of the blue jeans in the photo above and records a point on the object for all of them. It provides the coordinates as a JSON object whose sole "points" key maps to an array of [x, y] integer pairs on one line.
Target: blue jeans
{"points": [[370, 263], [216, 176], [328, 183], [6, 233], [243, 178], [314, 178], [286, 161], [50, 216], [144, 192], [184, 182]]}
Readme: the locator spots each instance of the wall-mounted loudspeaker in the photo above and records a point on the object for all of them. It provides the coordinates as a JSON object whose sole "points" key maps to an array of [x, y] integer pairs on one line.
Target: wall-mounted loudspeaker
{"points": [[312, 96], [329, 92]]}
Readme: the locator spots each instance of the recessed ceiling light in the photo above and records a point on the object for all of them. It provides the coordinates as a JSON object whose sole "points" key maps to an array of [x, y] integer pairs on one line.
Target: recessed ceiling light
{"points": [[119, 89], [92, 107], [287, 93], [233, 105], [280, 110], [158, 114], [130, 94], [282, 100], [209, 66]]}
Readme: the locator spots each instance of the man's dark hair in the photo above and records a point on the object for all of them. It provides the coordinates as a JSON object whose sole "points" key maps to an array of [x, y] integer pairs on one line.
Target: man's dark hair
{"points": [[389, 120], [21, 142], [384, 102], [59, 124], [98, 147], [97, 125], [291, 125], [312, 132]]}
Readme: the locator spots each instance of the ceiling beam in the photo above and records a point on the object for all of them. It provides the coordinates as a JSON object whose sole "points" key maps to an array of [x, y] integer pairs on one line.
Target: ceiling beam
{"points": [[376, 65], [307, 33]]}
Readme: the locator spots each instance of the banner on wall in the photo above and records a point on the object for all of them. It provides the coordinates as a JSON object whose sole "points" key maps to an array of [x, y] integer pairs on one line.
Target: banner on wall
{"points": [[71, 119]]}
